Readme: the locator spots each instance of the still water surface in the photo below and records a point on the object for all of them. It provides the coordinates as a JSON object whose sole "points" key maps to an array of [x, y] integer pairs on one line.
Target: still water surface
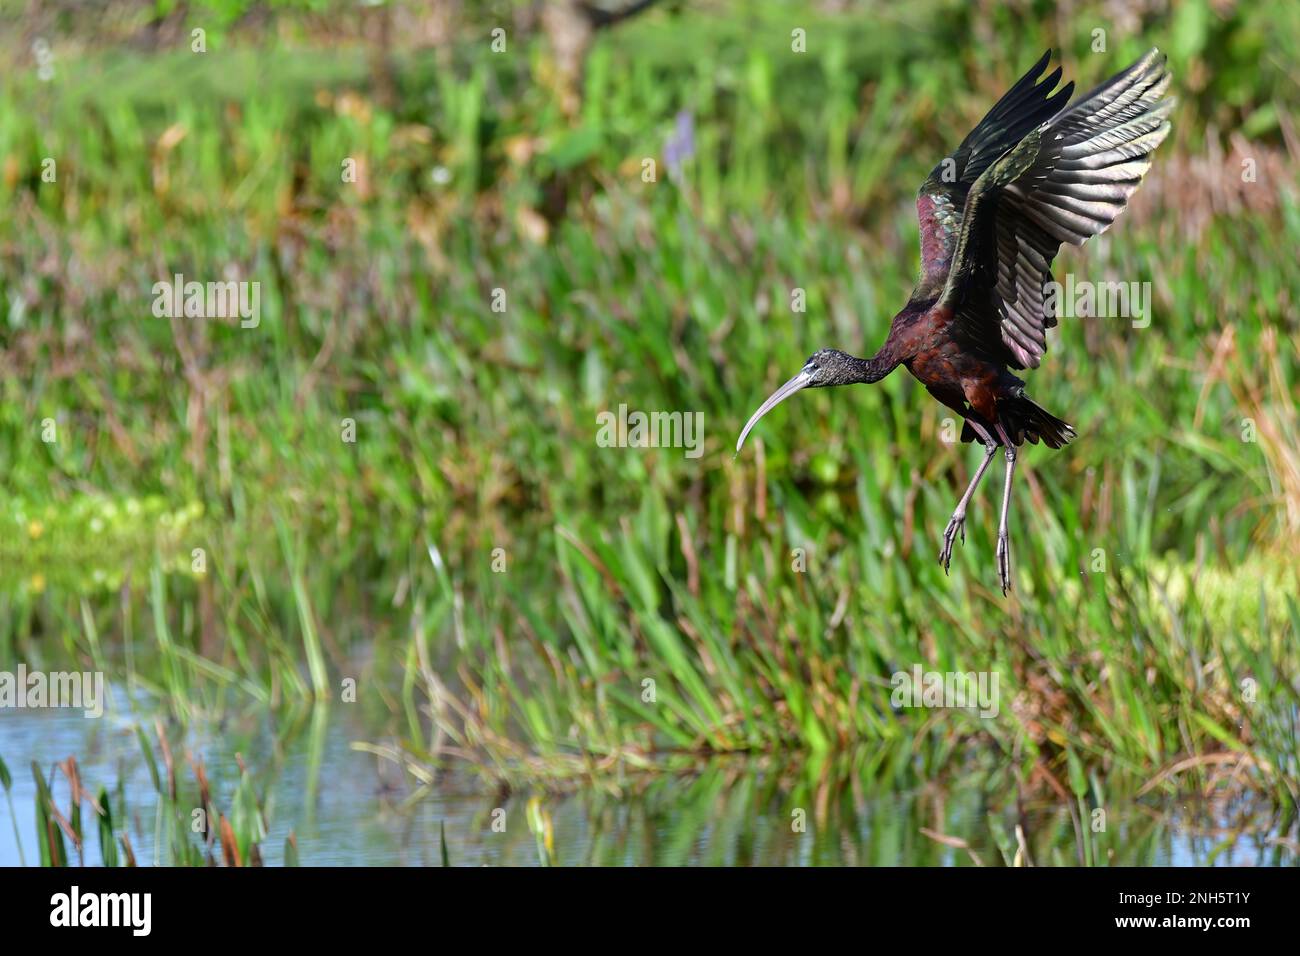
{"points": [[348, 807]]}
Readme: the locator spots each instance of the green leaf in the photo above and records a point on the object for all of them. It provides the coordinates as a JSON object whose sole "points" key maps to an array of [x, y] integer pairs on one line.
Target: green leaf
{"points": [[107, 845], [149, 759], [1078, 781], [574, 147]]}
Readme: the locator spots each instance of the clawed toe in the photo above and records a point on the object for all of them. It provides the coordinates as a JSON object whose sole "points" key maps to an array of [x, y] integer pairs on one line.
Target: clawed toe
{"points": [[956, 527]]}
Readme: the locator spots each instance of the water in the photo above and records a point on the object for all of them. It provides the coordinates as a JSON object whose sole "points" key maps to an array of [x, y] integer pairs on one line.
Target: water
{"points": [[348, 807]]}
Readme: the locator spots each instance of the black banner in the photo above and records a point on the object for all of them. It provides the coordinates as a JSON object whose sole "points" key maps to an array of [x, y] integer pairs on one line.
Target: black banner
{"points": [[337, 905]]}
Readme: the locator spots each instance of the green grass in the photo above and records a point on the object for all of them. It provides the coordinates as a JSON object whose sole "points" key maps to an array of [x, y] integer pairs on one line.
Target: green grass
{"points": [[327, 560], [188, 828]]}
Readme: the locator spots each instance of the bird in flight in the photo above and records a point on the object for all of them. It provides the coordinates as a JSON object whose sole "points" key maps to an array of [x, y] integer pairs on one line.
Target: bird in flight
{"points": [[1034, 173]]}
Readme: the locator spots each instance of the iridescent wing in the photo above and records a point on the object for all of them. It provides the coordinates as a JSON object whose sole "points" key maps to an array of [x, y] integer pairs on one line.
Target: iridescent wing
{"points": [[1066, 181], [942, 196]]}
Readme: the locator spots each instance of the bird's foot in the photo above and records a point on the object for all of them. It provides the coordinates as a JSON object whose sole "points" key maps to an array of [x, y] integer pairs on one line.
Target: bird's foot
{"points": [[956, 526], [1004, 562]]}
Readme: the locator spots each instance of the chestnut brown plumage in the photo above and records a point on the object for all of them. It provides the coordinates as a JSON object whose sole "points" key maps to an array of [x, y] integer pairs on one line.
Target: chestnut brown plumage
{"points": [[1035, 173]]}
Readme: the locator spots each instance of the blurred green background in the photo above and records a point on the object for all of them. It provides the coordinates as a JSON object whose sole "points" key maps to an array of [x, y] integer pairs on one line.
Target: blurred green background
{"points": [[460, 252]]}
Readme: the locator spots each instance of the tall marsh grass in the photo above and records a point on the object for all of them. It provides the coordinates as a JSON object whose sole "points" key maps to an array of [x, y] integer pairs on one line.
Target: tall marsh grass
{"points": [[1155, 559]]}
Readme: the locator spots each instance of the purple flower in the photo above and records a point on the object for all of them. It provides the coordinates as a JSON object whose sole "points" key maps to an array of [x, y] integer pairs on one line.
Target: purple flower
{"points": [[681, 144]]}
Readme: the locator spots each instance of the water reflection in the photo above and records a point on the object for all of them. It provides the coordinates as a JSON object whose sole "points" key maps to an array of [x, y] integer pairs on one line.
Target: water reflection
{"points": [[873, 807]]}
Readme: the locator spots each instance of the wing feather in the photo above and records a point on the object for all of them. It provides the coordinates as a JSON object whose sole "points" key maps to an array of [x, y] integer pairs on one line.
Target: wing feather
{"points": [[1067, 180], [940, 201]]}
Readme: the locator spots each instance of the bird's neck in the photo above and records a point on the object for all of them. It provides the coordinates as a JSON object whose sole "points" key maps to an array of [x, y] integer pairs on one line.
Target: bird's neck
{"points": [[873, 369]]}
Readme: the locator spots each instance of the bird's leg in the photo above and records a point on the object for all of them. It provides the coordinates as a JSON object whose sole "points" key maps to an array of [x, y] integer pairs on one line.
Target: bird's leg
{"points": [[1004, 541], [957, 524]]}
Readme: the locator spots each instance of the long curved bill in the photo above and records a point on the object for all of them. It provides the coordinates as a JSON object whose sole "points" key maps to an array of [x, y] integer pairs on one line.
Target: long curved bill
{"points": [[802, 380]]}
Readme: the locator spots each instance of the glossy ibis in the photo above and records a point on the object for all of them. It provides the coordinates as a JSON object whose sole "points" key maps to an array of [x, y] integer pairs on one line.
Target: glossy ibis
{"points": [[1033, 174]]}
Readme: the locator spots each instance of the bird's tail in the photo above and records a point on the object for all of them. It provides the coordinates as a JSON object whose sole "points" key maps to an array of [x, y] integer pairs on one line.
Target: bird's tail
{"points": [[1025, 421], [1028, 421]]}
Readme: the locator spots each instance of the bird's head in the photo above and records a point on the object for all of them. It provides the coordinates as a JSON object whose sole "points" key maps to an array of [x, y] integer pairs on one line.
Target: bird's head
{"points": [[823, 368]]}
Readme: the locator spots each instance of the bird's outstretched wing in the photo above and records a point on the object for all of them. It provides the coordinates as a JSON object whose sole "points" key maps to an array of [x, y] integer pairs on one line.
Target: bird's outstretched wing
{"points": [[942, 197], [1067, 180]]}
